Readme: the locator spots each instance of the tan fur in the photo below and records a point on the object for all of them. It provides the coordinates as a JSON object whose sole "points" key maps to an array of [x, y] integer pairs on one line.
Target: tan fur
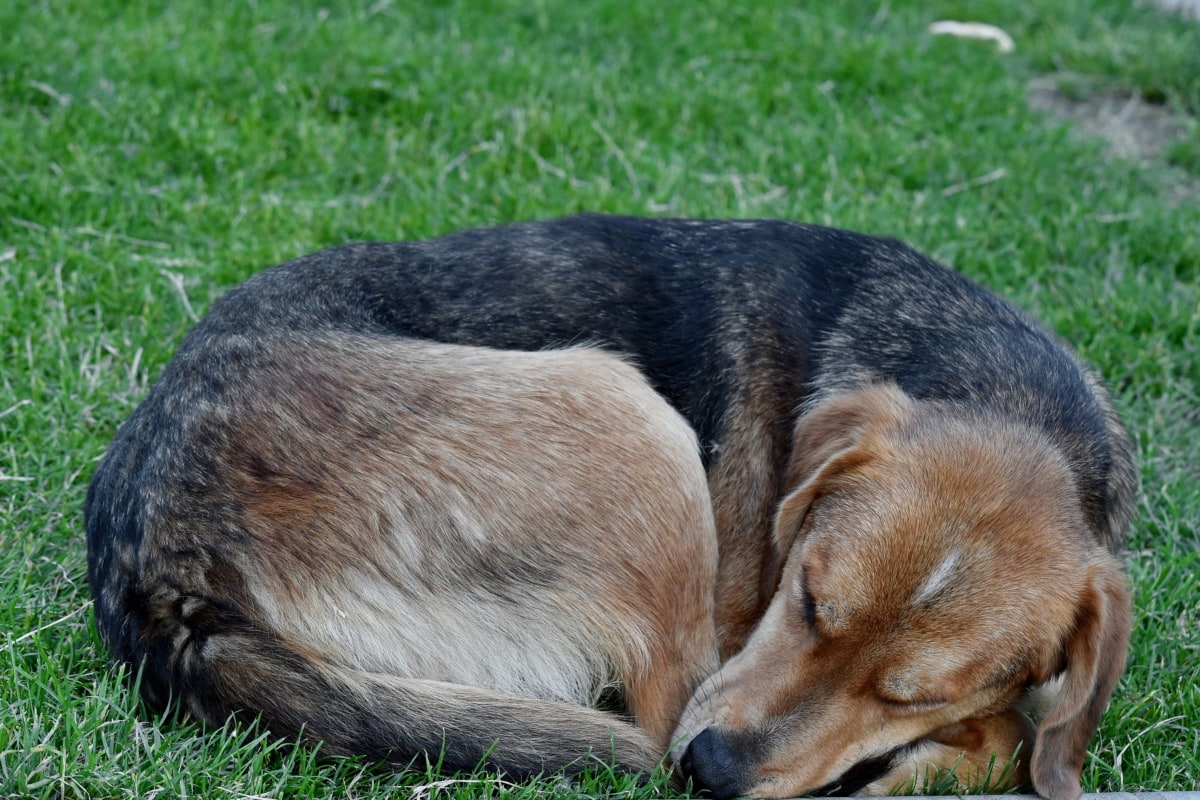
{"points": [[467, 464], [426, 517], [405, 549], [977, 752], [947, 560]]}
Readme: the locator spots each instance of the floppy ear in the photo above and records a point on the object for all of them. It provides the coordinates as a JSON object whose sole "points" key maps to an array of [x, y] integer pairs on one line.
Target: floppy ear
{"points": [[1095, 657], [839, 424], [828, 440]]}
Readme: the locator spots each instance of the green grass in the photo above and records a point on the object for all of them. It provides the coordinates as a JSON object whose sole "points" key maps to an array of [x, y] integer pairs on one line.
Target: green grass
{"points": [[154, 154]]}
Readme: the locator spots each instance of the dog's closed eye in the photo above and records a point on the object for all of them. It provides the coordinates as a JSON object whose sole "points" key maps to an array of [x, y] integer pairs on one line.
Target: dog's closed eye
{"points": [[905, 693], [918, 705], [808, 603]]}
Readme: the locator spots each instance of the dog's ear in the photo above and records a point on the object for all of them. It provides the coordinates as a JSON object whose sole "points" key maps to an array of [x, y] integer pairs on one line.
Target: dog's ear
{"points": [[1095, 657], [840, 424], [829, 440]]}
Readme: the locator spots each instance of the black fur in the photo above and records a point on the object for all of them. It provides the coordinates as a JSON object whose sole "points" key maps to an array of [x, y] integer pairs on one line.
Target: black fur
{"points": [[721, 316], [681, 296]]}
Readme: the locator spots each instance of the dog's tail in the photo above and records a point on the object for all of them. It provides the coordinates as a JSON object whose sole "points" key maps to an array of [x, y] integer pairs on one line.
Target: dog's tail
{"points": [[215, 661], [183, 621]]}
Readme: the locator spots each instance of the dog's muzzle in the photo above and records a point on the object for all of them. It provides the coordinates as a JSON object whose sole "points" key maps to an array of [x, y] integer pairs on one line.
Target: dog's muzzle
{"points": [[723, 765]]}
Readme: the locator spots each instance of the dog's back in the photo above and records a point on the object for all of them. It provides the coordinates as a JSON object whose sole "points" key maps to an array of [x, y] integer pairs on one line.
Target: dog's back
{"points": [[721, 313], [401, 546], [739, 324]]}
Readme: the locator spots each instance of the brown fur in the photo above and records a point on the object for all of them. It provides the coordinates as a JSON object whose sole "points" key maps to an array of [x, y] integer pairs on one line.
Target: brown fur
{"points": [[984, 752], [410, 550], [917, 534], [471, 543]]}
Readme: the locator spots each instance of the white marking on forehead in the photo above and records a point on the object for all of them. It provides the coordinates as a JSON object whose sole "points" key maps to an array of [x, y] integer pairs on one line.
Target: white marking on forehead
{"points": [[938, 578]]}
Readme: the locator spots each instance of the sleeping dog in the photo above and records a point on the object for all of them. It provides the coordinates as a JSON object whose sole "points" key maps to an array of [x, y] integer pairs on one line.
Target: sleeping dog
{"points": [[916, 494]]}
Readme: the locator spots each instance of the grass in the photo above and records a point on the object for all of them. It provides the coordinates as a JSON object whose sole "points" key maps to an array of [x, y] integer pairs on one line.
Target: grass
{"points": [[153, 154]]}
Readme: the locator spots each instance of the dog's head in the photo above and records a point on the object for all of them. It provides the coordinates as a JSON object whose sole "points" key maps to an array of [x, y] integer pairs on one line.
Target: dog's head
{"points": [[933, 564]]}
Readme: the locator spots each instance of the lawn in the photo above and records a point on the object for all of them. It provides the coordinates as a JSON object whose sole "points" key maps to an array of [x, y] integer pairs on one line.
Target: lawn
{"points": [[153, 154]]}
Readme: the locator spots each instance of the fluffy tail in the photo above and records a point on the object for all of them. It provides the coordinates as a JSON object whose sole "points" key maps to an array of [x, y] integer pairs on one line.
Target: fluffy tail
{"points": [[216, 662]]}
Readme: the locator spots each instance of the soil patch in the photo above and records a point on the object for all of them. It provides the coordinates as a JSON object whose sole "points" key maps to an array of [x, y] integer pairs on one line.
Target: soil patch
{"points": [[1133, 128]]}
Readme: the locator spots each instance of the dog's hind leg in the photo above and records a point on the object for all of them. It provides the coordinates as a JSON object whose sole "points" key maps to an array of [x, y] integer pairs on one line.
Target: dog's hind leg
{"points": [[685, 650], [407, 550], [660, 692]]}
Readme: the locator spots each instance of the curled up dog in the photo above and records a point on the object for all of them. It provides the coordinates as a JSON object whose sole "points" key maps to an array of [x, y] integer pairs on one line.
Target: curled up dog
{"points": [[826, 511]]}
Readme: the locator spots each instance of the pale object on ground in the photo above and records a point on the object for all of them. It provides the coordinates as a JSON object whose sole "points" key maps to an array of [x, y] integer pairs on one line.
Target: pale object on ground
{"points": [[973, 30]]}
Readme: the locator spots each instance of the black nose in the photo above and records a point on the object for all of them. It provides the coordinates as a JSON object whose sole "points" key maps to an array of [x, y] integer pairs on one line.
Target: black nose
{"points": [[712, 765]]}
